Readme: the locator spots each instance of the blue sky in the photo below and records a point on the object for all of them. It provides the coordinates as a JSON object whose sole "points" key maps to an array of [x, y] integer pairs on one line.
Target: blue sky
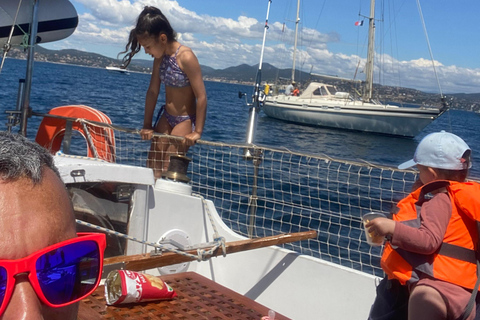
{"points": [[227, 33]]}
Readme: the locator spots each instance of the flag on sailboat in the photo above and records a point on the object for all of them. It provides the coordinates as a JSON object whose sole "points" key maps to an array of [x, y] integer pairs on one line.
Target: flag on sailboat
{"points": [[359, 23]]}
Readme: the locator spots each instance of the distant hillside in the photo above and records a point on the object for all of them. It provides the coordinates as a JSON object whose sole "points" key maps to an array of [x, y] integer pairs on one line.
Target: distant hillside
{"points": [[246, 74], [77, 57], [474, 96]]}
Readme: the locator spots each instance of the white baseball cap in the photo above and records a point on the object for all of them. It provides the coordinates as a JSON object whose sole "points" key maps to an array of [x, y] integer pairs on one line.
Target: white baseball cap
{"points": [[441, 150]]}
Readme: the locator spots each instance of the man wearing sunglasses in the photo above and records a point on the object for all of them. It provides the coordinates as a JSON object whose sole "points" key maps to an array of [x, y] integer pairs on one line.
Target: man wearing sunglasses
{"points": [[45, 266]]}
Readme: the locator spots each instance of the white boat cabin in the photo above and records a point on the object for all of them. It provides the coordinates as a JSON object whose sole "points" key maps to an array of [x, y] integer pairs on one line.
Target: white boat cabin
{"points": [[317, 90]]}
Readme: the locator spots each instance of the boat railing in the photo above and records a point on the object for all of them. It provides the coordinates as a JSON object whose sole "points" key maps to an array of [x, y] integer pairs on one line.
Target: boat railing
{"points": [[282, 191]]}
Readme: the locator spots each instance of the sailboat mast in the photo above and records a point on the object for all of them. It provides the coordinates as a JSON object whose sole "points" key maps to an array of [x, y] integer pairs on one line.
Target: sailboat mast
{"points": [[367, 95], [29, 73], [295, 42]]}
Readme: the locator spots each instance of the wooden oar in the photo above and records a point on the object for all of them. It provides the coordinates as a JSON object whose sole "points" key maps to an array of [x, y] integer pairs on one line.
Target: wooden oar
{"points": [[146, 261]]}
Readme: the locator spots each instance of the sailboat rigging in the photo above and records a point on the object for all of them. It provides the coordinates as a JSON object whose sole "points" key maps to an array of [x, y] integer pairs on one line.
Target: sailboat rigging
{"points": [[368, 88], [297, 20], [323, 105]]}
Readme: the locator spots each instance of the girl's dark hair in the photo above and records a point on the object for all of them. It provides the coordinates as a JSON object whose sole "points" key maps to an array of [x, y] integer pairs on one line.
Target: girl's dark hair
{"points": [[150, 23]]}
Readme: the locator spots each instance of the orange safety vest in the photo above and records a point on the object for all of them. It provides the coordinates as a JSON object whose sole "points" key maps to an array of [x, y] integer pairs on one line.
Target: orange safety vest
{"points": [[455, 261]]}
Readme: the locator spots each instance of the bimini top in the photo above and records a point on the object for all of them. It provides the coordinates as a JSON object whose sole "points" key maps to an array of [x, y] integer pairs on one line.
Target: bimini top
{"points": [[57, 19]]}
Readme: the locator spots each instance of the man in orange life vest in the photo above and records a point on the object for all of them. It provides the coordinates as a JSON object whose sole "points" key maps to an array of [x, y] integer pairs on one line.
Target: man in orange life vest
{"points": [[433, 235]]}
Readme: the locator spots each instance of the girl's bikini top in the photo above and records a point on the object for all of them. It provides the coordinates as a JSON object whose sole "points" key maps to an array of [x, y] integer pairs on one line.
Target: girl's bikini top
{"points": [[171, 74]]}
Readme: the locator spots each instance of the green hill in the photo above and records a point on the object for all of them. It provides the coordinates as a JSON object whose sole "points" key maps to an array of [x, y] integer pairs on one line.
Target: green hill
{"points": [[247, 74]]}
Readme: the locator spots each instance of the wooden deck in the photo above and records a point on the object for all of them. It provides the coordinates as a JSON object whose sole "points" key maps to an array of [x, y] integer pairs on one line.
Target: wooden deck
{"points": [[198, 298]]}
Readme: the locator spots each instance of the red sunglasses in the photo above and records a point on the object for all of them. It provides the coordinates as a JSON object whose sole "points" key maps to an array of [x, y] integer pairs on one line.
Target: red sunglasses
{"points": [[61, 274]]}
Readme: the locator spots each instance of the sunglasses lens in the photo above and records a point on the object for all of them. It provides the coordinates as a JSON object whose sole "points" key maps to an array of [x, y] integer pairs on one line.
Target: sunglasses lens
{"points": [[70, 272], [3, 284]]}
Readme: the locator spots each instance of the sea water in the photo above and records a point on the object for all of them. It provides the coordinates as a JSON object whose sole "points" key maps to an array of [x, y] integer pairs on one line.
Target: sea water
{"points": [[122, 98]]}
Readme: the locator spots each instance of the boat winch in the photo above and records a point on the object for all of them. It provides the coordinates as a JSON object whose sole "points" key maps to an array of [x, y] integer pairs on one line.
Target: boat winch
{"points": [[176, 179]]}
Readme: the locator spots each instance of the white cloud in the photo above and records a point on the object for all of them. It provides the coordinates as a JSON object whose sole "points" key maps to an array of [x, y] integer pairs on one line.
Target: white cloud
{"points": [[422, 63], [220, 42]]}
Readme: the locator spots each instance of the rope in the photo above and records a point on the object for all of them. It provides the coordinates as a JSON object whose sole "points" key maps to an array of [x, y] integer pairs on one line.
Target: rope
{"points": [[199, 257], [442, 97], [265, 149], [202, 255], [429, 47], [322, 156], [217, 238], [7, 45]]}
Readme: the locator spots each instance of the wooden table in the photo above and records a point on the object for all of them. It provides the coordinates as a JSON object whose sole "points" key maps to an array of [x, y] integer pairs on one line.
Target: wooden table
{"points": [[198, 298]]}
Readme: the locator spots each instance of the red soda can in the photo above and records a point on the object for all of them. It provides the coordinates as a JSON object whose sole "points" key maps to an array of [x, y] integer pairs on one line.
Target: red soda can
{"points": [[124, 286]]}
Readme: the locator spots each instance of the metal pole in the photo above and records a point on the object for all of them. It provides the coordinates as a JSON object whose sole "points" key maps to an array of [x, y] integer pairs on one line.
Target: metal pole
{"points": [[21, 90], [88, 137], [252, 122], [295, 43], [29, 73], [254, 197], [367, 97], [250, 153]]}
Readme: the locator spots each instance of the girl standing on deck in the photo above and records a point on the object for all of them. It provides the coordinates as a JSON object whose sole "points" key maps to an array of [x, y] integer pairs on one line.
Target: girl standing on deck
{"points": [[177, 67]]}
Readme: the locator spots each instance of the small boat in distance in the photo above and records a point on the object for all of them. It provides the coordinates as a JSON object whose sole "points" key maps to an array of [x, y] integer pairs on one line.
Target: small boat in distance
{"points": [[323, 105], [117, 69]]}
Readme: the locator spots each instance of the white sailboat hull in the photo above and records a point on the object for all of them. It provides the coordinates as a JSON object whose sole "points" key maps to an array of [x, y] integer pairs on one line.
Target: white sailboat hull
{"points": [[351, 115], [117, 69], [295, 285]]}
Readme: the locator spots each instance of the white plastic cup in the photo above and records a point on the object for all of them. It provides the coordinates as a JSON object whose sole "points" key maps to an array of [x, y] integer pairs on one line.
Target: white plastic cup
{"points": [[271, 315], [372, 239]]}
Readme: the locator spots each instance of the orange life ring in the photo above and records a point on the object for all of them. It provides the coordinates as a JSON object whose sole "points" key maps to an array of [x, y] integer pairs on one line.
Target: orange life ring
{"points": [[52, 130]]}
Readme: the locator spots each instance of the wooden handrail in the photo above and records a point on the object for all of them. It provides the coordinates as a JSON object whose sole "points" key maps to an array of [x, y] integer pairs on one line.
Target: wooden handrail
{"points": [[147, 261]]}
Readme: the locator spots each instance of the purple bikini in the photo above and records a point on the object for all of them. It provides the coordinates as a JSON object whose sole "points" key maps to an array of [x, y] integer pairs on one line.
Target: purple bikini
{"points": [[172, 76]]}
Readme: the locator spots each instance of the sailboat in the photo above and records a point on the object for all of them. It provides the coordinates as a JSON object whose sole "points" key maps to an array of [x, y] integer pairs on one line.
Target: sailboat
{"points": [[120, 69], [321, 104]]}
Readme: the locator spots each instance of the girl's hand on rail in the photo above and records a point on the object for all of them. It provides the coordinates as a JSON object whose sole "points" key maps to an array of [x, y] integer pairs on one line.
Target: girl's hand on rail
{"points": [[146, 134], [191, 138]]}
